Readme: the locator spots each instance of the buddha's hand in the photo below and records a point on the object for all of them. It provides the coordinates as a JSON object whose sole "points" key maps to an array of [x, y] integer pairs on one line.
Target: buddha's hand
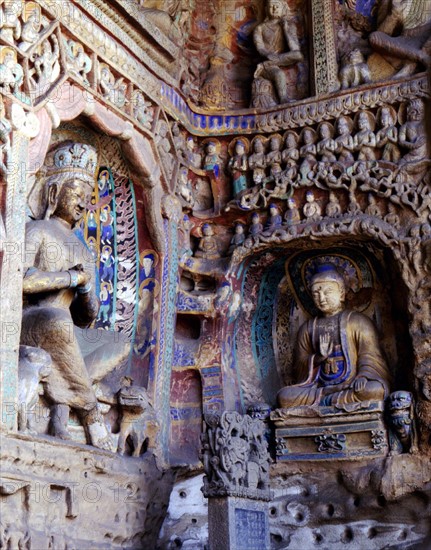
{"points": [[359, 384], [325, 346]]}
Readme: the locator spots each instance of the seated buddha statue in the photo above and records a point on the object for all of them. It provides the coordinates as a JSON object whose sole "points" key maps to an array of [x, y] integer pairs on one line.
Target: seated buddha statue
{"points": [[338, 359]]}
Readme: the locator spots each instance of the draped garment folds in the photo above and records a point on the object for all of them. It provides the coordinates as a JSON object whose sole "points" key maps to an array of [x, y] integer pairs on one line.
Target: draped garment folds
{"points": [[361, 357]]}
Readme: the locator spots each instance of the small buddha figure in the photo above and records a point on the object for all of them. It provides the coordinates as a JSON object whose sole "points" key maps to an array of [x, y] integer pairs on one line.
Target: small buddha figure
{"points": [[256, 161], [237, 166], [290, 153], [338, 360], [326, 146], [373, 208], [333, 208], [237, 239], [274, 220], [311, 210], [31, 27], [344, 141], [292, 217], [274, 156], [307, 152], [207, 247], [387, 136], [412, 137], [392, 217], [364, 140]]}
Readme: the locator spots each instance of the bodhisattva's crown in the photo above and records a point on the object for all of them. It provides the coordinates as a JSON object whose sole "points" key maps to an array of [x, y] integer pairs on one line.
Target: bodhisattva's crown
{"points": [[76, 158]]}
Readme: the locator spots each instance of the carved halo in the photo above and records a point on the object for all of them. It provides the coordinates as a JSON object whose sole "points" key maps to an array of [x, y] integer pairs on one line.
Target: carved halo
{"points": [[288, 132], [353, 266], [308, 129], [261, 138], [329, 125], [371, 119], [232, 145]]}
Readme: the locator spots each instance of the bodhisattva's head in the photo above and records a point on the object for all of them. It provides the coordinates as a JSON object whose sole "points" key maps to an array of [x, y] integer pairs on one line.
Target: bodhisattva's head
{"points": [[70, 179], [328, 290]]}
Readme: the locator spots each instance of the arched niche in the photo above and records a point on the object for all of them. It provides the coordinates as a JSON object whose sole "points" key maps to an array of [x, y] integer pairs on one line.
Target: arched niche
{"points": [[277, 302]]}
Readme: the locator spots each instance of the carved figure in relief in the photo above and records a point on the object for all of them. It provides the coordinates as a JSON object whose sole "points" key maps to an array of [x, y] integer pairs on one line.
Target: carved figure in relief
{"points": [[292, 216], [46, 63], [412, 135], [290, 155], [10, 23], [164, 147], [338, 361], [78, 62], [344, 141], [179, 140], [387, 136], [238, 238], [392, 217], [274, 220], [311, 209], [142, 109], [113, 90], [256, 161], [401, 415], [326, 146], [185, 187], [256, 227], [34, 367], [276, 40], [11, 72], [238, 165], [307, 152], [59, 290], [355, 70], [333, 208], [273, 157], [212, 159], [193, 158], [207, 247], [364, 141], [373, 209], [31, 28], [403, 35]]}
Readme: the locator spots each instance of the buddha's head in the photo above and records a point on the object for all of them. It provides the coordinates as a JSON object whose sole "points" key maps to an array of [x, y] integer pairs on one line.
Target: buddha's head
{"points": [[328, 289]]}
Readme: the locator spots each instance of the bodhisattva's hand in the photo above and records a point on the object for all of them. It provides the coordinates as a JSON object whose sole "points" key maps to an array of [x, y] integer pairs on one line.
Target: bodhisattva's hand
{"points": [[325, 346], [83, 277], [359, 384]]}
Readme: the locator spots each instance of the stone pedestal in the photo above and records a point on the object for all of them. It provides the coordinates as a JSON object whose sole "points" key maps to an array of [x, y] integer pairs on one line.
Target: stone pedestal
{"points": [[236, 523], [326, 433]]}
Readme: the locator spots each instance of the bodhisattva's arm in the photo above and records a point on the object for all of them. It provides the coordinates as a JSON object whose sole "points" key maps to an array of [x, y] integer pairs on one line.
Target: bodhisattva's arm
{"points": [[259, 43]]}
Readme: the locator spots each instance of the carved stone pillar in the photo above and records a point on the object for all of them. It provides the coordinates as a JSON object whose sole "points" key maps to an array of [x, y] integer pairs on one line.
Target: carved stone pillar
{"points": [[325, 67], [236, 481], [24, 127]]}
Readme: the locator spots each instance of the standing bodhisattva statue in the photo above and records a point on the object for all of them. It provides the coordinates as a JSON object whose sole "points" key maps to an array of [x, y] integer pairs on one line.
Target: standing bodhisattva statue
{"points": [[276, 40], [338, 355], [59, 292]]}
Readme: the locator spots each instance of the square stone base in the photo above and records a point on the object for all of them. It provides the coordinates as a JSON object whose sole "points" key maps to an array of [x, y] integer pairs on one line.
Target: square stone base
{"points": [[238, 524], [324, 433]]}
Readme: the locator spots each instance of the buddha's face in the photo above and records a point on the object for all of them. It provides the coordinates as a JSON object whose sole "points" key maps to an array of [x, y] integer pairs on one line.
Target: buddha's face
{"points": [[275, 144], [324, 131], [72, 201], [290, 140], [328, 296], [386, 118], [275, 8], [309, 197], [363, 122], [239, 148], [342, 126]]}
